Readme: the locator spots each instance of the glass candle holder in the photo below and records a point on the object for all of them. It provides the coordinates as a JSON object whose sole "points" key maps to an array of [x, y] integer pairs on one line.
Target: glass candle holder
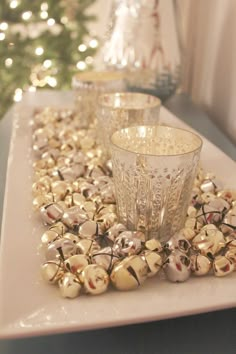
{"points": [[123, 109], [154, 169], [88, 86]]}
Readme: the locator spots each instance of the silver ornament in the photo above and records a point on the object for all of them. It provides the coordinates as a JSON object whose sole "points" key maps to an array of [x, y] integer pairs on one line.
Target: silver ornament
{"points": [[126, 244], [130, 273], [106, 257], [222, 266], [52, 271], [95, 279], [75, 264], [177, 267], [200, 264], [89, 229], [178, 242], [115, 231], [211, 185], [87, 246], [51, 213], [69, 285], [73, 217], [154, 262], [153, 245], [209, 241], [60, 249]]}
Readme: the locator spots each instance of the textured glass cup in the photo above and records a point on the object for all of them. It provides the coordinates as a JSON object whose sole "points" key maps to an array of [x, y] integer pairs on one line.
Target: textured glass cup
{"points": [[124, 109], [88, 86], [154, 169]]}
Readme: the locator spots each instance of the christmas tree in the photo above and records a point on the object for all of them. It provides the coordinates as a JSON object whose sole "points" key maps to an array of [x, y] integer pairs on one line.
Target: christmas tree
{"points": [[42, 44]]}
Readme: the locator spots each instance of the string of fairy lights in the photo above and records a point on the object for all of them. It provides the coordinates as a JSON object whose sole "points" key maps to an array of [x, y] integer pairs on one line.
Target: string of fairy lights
{"points": [[47, 59]]}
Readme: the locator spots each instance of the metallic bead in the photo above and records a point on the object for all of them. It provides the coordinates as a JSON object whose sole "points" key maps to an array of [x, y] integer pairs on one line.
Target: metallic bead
{"points": [[154, 262], [177, 267], [69, 285], [126, 244], [101, 181], [94, 171], [153, 245], [87, 143], [89, 229], [78, 199], [106, 258], [87, 246], [222, 266], [60, 249], [95, 279], [75, 264], [209, 241], [51, 213], [52, 271], [178, 242], [73, 217], [90, 208], [212, 212], [200, 265], [211, 185], [130, 273], [70, 173]]}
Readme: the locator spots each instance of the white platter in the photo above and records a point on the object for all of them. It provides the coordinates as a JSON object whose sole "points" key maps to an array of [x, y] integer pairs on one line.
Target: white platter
{"points": [[28, 306]]}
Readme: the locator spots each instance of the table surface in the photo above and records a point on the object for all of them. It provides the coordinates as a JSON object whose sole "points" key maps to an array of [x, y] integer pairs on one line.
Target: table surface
{"points": [[209, 333]]}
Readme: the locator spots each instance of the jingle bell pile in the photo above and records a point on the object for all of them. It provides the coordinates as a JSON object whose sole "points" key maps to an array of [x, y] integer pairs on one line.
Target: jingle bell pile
{"points": [[86, 249]]}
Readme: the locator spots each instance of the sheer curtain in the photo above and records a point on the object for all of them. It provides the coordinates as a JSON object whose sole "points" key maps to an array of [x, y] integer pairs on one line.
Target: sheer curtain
{"points": [[209, 30]]}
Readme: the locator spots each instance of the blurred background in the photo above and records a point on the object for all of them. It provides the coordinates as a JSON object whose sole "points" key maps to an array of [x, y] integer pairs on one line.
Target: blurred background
{"points": [[164, 47]]}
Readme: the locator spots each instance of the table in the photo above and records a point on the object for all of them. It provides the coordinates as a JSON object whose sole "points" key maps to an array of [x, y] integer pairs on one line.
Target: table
{"points": [[209, 333]]}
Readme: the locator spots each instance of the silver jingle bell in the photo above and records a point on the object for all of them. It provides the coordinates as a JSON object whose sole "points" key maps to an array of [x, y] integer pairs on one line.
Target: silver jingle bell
{"points": [[106, 221], [52, 271], [72, 237], [222, 266], [229, 222], [107, 193], [130, 273], [231, 255], [75, 264], [178, 242], [73, 217], [95, 279], [177, 267], [59, 228], [60, 249], [209, 241], [211, 185], [154, 262], [153, 245], [87, 246], [69, 285], [106, 258], [115, 231], [126, 244], [49, 236], [200, 264], [89, 229], [51, 213]]}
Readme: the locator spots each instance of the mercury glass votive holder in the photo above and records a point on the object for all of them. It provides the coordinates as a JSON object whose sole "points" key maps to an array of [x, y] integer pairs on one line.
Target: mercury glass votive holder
{"points": [[87, 86], [123, 109], [154, 169]]}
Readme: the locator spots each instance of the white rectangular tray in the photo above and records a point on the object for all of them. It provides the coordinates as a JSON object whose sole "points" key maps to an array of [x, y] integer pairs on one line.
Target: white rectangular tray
{"points": [[28, 306]]}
